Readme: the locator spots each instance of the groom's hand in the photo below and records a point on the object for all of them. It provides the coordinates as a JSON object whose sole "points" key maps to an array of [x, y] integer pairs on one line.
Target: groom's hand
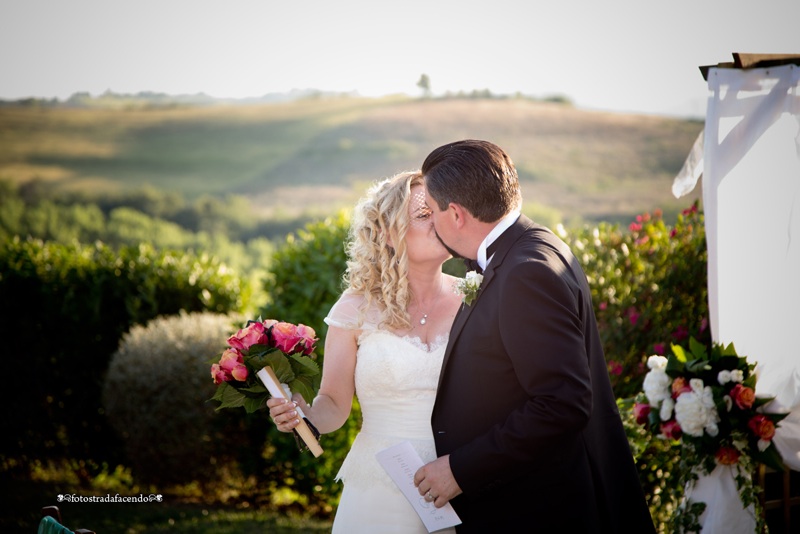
{"points": [[435, 482]]}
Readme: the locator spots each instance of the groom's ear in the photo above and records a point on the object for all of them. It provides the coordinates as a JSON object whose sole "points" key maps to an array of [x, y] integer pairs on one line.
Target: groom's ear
{"points": [[458, 213]]}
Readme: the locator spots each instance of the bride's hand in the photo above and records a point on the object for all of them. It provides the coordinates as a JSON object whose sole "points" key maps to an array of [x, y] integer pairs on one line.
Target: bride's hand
{"points": [[284, 414]]}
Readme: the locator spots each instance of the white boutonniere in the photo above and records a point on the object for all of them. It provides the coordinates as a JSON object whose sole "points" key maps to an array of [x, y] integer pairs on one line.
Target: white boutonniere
{"points": [[469, 286]]}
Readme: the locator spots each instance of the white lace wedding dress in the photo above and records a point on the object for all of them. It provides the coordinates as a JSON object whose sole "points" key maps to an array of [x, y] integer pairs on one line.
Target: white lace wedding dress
{"points": [[396, 379]]}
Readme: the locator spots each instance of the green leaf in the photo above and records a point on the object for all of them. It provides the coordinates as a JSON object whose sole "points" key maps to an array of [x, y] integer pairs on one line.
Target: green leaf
{"points": [[228, 397], [698, 349], [252, 404], [302, 385], [304, 365], [697, 366], [679, 353], [772, 458], [280, 364]]}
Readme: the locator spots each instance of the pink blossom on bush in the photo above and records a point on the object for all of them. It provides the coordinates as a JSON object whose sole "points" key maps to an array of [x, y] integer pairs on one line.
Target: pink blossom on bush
{"points": [[659, 348], [633, 315], [680, 333]]}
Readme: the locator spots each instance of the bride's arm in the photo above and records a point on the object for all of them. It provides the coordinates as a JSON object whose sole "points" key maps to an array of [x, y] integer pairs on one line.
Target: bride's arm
{"points": [[331, 407]]}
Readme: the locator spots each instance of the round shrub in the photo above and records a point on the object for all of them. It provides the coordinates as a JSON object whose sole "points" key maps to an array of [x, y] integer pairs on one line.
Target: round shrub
{"points": [[156, 395]]}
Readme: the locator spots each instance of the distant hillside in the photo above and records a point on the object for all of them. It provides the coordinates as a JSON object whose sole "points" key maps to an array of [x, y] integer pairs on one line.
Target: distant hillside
{"points": [[314, 155]]}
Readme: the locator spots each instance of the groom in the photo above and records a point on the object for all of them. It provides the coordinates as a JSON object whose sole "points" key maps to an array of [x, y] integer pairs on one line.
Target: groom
{"points": [[526, 424]]}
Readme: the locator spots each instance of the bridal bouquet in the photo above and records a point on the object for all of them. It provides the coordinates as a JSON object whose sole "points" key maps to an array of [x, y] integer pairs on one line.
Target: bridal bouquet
{"points": [[706, 402], [286, 348]]}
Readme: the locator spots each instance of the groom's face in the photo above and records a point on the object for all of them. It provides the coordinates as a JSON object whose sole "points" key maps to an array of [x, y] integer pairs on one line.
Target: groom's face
{"points": [[442, 225]]}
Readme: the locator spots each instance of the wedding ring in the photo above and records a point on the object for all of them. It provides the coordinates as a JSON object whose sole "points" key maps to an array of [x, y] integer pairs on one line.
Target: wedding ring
{"points": [[429, 497]]}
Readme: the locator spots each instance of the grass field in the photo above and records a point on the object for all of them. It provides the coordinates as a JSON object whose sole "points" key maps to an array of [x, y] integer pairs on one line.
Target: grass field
{"points": [[317, 155]]}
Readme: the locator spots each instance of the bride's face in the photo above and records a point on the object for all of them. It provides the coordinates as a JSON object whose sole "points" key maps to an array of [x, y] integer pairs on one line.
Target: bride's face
{"points": [[421, 240]]}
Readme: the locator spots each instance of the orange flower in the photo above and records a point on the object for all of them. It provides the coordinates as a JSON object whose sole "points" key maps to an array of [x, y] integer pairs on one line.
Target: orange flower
{"points": [[727, 455], [762, 427], [743, 396]]}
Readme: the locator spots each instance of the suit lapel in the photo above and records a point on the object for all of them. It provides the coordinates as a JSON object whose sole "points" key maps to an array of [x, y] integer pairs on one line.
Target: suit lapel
{"points": [[504, 244]]}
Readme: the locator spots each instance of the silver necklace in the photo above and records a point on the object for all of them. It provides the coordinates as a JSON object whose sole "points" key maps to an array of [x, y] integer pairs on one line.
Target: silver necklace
{"points": [[424, 318]]}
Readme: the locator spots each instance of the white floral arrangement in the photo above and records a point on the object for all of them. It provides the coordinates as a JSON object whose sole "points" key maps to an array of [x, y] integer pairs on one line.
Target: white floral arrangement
{"points": [[705, 402], [469, 286]]}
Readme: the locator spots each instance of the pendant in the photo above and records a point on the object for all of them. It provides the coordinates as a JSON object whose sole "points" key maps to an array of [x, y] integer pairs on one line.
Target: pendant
{"points": [[424, 319]]}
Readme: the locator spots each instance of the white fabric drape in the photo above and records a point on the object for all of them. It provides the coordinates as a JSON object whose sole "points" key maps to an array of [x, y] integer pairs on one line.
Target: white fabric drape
{"points": [[751, 200]]}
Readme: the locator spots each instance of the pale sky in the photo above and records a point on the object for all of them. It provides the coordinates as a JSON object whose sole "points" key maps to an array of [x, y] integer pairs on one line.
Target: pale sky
{"points": [[616, 55]]}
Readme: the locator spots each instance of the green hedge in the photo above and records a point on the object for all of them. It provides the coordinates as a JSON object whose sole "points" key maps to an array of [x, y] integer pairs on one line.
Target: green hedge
{"points": [[63, 310]]}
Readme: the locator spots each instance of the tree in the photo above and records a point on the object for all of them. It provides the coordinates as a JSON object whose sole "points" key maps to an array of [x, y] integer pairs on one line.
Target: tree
{"points": [[424, 83]]}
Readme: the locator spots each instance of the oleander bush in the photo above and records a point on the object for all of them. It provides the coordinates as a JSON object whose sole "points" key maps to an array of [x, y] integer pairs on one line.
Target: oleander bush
{"points": [[650, 289], [156, 397], [63, 310]]}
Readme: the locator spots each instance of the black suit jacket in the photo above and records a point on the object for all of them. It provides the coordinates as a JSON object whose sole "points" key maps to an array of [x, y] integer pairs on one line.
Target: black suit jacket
{"points": [[525, 407]]}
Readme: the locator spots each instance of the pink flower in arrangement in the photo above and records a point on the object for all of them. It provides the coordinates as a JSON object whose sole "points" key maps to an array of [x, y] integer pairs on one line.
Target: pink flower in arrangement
{"points": [[762, 427], [253, 334], [671, 429], [727, 455], [641, 412], [230, 367], [743, 396], [308, 338], [285, 337]]}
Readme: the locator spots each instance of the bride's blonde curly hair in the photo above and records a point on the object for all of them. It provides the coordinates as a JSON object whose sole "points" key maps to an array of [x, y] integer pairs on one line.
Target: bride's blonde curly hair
{"points": [[377, 264]]}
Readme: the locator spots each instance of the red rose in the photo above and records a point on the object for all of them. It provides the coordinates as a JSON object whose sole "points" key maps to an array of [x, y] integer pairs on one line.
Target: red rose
{"points": [[727, 455], [762, 427], [641, 411], [743, 396]]}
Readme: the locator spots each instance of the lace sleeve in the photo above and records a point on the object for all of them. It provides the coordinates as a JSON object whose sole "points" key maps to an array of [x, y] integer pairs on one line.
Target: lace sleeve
{"points": [[346, 313]]}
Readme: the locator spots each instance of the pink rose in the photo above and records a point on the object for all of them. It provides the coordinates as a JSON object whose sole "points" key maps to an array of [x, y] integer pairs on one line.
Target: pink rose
{"points": [[671, 429], [641, 411], [252, 334], [762, 427], [230, 366], [218, 375], [743, 396], [285, 336], [307, 338], [727, 455], [680, 385]]}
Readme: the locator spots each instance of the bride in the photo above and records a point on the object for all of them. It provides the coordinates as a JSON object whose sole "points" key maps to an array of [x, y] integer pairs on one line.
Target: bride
{"points": [[385, 343]]}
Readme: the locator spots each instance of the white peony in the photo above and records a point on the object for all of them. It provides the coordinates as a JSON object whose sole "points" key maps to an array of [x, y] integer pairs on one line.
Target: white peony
{"points": [[657, 362], [656, 386], [724, 377], [737, 376], [695, 411], [666, 409]]}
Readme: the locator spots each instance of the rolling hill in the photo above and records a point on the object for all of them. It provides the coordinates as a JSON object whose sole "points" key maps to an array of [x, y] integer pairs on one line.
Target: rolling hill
{"points": [[315, 155]]}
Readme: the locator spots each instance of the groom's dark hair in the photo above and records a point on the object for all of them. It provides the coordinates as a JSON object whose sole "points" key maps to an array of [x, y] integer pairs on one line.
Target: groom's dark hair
{"points": [[476, 174]]}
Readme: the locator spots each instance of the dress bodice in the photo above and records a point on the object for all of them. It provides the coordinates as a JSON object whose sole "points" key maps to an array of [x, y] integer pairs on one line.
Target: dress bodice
{"points": [[396, 379]]}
